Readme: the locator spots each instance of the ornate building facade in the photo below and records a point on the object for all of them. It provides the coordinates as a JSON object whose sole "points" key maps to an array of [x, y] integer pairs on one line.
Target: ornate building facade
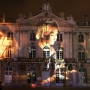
{"points": [[45, 50]]}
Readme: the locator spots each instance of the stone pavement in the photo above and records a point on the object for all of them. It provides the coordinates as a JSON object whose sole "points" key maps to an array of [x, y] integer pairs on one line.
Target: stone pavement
{"points": [[28, 87], [44, 88]]}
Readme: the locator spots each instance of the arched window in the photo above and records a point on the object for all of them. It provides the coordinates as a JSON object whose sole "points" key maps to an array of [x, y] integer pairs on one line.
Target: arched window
{"points": [[59, 53], [81, 53], [82, 75], [8, 75], [80, 38], [46, 52], [32, 52], [32, 75], [8, 70], [32, 36]]}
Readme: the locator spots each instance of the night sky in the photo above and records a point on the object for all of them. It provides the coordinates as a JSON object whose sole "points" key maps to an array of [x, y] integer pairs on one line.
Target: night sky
{"points": [[76, 8]]}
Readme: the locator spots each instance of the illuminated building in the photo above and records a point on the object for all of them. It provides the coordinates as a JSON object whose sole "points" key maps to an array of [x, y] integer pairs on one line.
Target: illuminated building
{"points": [[45, 50]]}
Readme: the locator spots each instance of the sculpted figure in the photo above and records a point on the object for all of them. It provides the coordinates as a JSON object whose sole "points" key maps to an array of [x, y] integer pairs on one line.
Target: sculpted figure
{"points": [[47, 35]]}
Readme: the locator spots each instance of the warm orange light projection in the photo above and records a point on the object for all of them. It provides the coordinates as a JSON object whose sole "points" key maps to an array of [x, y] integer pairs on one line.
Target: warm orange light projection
{"points": [[47, 35], [73, 71], [6, 44], [51, 79]]}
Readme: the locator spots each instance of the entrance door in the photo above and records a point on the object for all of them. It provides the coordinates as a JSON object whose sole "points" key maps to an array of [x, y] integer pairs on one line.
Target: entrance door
{"points": [[31, 75], [45, 78]]}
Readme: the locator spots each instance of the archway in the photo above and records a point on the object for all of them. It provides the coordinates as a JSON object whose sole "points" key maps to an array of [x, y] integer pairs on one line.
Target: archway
{"points": [[31, 75]]}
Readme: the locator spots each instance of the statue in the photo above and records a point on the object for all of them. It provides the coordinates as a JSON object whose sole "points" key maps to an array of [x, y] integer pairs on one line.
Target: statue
{"points": [[30, 14], [24, 16], [4, 16], [61, 15], [86, 18], [70, 18], [20, 16]]}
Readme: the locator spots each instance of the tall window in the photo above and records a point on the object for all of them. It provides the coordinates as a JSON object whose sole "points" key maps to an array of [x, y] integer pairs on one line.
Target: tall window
{"points": [[59, 53], [81, 54], [32, 36], [10, 36], [46, 52], [80, 38], [32, 75], [8, 70], [8, 75], [59, 37], [8, 53], [32, 52]]}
